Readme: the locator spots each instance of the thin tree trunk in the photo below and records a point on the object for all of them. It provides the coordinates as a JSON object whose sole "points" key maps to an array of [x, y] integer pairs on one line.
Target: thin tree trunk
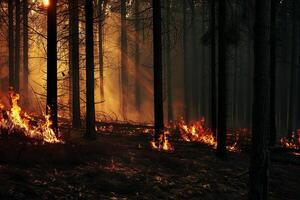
{"points": [[185, 65], [74, 62], [158, 82], [273, 43], [25, 49], [52, 64], [90, 98], [124, 59], [17, 46], [137, 57], [196, 67], [169, 62], [222, 84], [292, 75], [11, 43], [101, 17], [213, 104], [259, 161]]}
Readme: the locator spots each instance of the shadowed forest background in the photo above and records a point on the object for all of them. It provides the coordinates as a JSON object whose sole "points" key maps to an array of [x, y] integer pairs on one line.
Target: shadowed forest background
{"points": [[149, 99]]}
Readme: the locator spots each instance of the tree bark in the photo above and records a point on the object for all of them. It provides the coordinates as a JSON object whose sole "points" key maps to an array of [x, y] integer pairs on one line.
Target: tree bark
{"points": [[168, 61], [137, 57], [213, 104], [157, 69], [11, 43], [90, 98], [74, 62], [17, 47], [222, 84], [124, 60], [259, 160], [52, 64], [25, 50], [101, 17], [273, 43], [185, 65]]}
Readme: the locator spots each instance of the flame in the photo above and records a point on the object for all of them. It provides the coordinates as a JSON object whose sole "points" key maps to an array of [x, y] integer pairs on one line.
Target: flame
{"points": [[292, 142], [17, 121], [196, 132], [163, 143]]}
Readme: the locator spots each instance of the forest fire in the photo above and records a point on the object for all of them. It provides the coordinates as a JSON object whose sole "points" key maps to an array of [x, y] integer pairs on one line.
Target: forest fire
{"points": [[163, 143], [17, 122], [291, 142], [196, 132]]}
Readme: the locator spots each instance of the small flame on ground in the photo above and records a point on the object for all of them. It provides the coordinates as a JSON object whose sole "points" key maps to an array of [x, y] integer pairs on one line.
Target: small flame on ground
{"points": [[196, 132], [291, 142], [15, 120], [163, 144]]}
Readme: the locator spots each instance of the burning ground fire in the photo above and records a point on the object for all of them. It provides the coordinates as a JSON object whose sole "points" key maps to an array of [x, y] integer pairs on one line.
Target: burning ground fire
{"points": [[17, 122], [195, 132], [163, 143], [291, 142]]}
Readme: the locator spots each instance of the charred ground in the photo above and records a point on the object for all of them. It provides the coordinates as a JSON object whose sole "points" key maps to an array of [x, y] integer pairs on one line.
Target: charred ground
{"points": [[119, 166]]}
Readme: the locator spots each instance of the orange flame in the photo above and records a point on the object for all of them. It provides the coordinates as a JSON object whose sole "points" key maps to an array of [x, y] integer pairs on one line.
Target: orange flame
{"points": [[197, 132], [163, 143], [293, 142], [17, 120]]}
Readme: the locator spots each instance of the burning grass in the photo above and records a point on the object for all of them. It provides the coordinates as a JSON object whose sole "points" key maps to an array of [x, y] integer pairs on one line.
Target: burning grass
{"points": [[17, 123]]}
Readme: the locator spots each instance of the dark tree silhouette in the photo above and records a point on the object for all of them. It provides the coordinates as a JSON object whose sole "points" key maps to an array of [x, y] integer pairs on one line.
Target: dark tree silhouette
{"points": [[17, 47], [11, 43], [273, 73], [124, 59], [259, 161], [213, 106], [292, 83], [222, 83], [185, 63], [51, 107], [74, 62], [25, 49], [168, 60], [101, 18], [137, 56], [89, 42], [158, 82]]}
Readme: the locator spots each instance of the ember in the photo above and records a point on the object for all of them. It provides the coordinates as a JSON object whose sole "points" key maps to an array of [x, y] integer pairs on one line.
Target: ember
{"points": [[16, 121], [291, 142]]}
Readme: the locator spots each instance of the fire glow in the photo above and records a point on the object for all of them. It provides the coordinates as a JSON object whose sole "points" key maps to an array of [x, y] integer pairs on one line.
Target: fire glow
{"points": [[16, 121], [196, 132], [163, 143]]}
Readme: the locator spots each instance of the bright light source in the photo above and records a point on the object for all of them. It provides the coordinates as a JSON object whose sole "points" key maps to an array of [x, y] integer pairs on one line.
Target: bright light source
{"points": [[46, 2]]}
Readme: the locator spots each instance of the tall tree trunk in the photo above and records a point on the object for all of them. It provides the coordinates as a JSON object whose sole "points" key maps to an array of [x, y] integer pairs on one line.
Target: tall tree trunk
{"points": [[25, 49], [168, 61], [101, 17], [137, 57], [157, 69], [196, 67], [185, 64], [222, 84], [74, 62], [17, 46], [89, 42], [124, 59], [213, 104], [259, 161], [291, 107], [52, 64], [11, 43], [273, 43]]}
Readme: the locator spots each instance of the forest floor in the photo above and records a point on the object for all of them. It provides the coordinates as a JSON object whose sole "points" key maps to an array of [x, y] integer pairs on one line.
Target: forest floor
{"points": [[119, 166]]}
